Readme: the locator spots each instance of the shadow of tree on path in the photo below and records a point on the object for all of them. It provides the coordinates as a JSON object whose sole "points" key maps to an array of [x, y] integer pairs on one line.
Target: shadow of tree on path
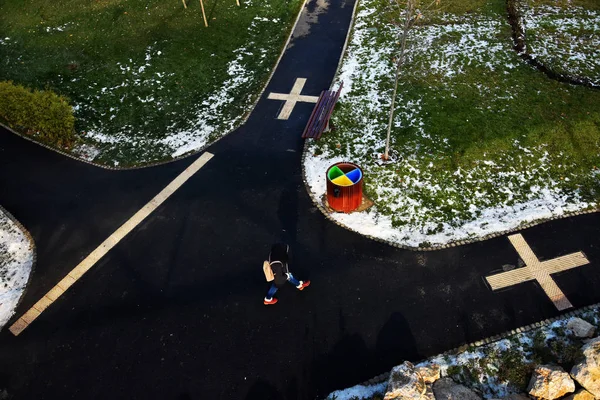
{"points": [[351, 361]]}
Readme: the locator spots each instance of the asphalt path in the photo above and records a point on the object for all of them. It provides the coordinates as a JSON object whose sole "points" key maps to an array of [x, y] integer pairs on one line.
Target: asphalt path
{"points": [[175, 310]]}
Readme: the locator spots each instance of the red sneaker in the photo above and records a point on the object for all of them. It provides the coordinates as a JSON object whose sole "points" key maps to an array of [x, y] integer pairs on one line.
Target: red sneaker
{"points": [[303, 284], [270, 302]]}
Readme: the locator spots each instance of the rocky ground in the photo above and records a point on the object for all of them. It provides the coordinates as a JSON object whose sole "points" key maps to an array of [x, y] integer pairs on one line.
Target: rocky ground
{"points": [[560, 360]]}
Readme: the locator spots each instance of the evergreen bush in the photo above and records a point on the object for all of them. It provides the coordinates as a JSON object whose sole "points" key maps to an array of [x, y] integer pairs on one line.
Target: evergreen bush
{"points": [[42, 114]]}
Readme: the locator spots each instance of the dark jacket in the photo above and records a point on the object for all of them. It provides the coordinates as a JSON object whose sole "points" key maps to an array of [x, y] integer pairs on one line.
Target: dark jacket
{"points": [[278, 258]]}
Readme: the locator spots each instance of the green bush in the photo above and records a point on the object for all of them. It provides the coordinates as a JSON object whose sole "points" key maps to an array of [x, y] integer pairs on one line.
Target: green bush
{"points": [[513, 370], [42, 114]]}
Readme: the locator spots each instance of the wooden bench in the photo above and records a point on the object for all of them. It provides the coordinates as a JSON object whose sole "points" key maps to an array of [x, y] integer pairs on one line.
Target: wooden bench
{"points": [[319, 119]]}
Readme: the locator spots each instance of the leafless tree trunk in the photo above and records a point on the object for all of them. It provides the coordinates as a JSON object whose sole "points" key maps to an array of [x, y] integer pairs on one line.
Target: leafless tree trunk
{"points": [[412, 14], [408, 20]]}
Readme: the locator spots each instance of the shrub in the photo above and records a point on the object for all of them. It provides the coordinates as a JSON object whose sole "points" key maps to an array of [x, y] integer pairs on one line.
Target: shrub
{"points": [[514, 370], [39, 113]]}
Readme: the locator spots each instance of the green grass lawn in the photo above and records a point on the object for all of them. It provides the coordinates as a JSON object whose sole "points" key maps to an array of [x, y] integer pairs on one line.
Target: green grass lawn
{"points": [[483, 141], [147, 80]]}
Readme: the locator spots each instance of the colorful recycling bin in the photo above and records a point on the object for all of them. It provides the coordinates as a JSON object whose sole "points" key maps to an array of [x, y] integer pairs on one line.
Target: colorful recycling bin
{"points": [[344, 186]]}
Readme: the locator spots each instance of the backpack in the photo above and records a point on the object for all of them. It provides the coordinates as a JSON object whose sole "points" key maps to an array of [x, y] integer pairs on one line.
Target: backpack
{"points": [[268, 271]]}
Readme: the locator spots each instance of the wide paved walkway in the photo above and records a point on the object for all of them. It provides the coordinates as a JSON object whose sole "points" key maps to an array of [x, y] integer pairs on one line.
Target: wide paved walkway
{"points": [[175, 310]]}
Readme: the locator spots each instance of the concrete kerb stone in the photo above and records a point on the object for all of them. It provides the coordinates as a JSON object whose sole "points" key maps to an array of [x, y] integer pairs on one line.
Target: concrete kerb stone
{"points": [[33, 249], [327, 215], [192, 153], [492, 339]]}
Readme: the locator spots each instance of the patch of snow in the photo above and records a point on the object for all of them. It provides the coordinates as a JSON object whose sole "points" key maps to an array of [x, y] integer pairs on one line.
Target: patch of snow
{"points": [[61, 28], [16, 261], [543, 203], [359, 392], [210, 118]]}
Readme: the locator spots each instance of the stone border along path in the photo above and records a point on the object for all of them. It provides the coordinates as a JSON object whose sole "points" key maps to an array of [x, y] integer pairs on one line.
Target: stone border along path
{"points": [[33, 250], [463, 242], [195, 152], [515, 19], [327, 215], [576, 313]]}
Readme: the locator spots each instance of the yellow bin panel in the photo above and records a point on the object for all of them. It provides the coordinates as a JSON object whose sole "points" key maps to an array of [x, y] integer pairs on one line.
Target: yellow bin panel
{"points": [[342, 181]]}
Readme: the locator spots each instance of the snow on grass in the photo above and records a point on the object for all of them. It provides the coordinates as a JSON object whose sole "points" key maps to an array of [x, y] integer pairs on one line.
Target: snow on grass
{"points": [[61, 28], [210, 116], [406, 201], [426, 197], [567, 39], [358, 392], [16, 260], [144, 85]]}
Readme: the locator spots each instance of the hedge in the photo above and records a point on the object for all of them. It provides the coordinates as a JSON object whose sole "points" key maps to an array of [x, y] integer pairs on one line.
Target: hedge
{"points": [[41, 113]]}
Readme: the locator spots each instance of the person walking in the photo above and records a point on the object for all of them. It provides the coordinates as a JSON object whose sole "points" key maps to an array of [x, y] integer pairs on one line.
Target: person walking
{"points": [[277, 270]]}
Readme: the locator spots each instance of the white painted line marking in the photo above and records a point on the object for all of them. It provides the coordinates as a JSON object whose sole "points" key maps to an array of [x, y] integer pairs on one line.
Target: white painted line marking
{"points": [[77, 272], [540, 271], [292, 98]]}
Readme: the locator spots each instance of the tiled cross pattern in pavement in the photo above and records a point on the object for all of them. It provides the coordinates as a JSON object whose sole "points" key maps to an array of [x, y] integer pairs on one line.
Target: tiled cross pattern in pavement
{"points": [[538, 270], [292, 98]]}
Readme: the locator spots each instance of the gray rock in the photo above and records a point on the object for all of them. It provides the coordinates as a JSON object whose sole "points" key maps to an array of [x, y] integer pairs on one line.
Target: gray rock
{"points": [[447, 389], [587, 372], [581, 328], [550, 382], [405, 384], [429, 373]]}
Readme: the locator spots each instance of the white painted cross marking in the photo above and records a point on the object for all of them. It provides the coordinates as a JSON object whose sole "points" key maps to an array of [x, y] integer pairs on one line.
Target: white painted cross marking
{"points": [[292, 98], [538, 270]]}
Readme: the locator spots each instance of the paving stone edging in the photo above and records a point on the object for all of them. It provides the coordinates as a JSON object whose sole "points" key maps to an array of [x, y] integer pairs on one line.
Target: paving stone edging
{"points": [[492, 235], [192, 153], [33, 250], [492, 339], [457, 243]]}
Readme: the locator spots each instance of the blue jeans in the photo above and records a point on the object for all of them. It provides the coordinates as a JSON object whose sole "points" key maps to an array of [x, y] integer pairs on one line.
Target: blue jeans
{"points": [[273, 288]]}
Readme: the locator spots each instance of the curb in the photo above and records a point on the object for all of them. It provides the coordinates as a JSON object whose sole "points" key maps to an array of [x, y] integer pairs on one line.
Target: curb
{"points": [[194, 152], [492, 339], [457, 243], [33, 250], [348, 35]]}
